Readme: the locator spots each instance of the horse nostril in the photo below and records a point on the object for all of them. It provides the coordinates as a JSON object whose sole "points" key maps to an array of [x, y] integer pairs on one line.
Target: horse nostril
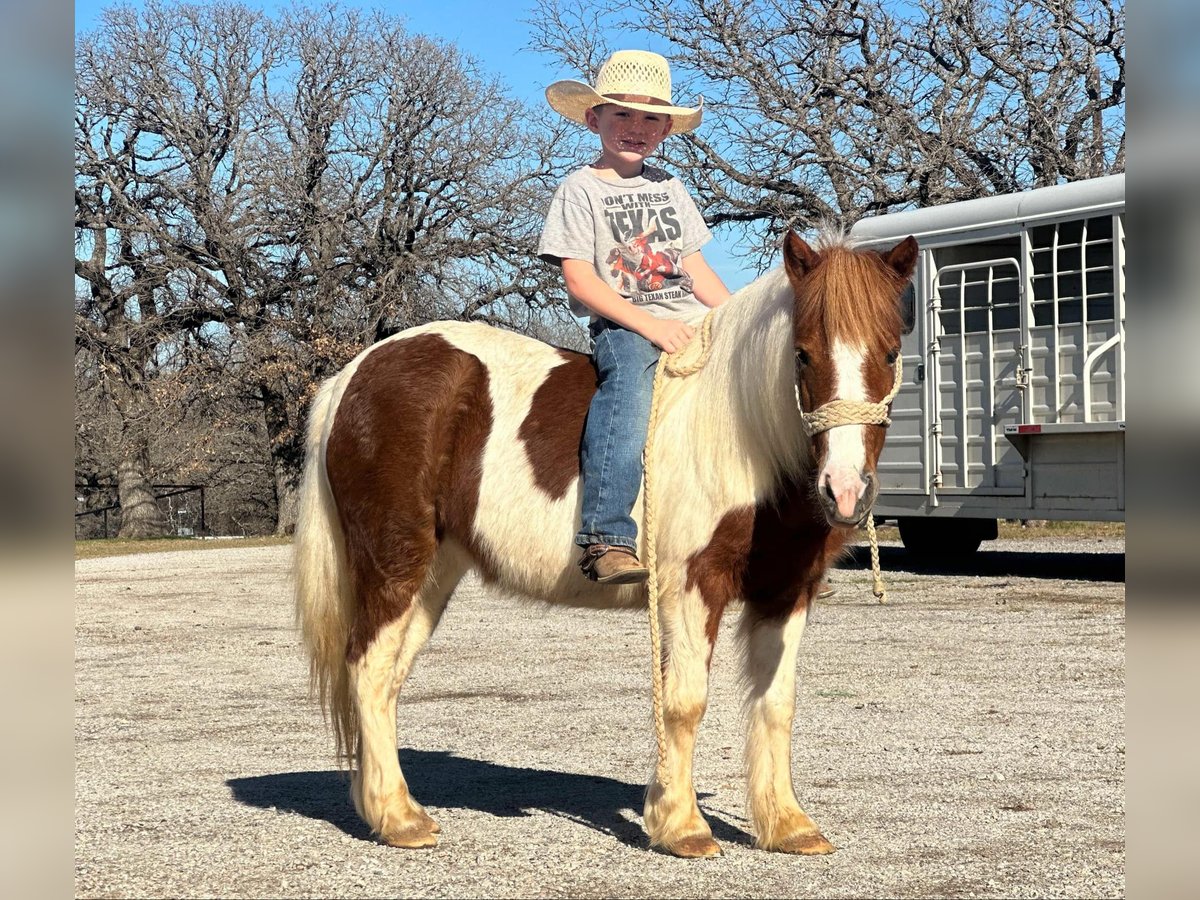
{"points": [[829, 489]]}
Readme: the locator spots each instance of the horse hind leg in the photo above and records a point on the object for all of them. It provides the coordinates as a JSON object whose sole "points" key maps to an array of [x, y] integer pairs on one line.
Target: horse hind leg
{"points": [[379, 789]]}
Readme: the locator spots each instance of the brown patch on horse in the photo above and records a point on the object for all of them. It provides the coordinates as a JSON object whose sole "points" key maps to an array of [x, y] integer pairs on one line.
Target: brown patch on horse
{"points": [[717, 569], [553, 429], [878, 380], [404, 462], [846, 293], [694, 846], [813, 844], [772, 556]]}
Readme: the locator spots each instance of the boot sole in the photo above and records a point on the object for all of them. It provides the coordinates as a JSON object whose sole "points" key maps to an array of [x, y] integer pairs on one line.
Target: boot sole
{"points": [[628, 576]]}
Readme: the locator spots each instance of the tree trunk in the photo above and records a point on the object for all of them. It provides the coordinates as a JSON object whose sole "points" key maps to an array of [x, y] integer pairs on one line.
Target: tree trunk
{"points": [[286, 457], [287, 496], [141, 516]]}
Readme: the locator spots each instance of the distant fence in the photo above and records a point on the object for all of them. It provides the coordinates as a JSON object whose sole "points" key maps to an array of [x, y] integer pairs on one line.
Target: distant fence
{"points": [[185, 517]]}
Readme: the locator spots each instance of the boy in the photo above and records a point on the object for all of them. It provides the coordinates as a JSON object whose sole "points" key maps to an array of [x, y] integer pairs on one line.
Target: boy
{"points": [[628, 238]]}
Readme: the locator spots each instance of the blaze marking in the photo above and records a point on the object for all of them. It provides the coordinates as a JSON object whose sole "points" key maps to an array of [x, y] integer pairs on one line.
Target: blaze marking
{"points": [[847, 453]]}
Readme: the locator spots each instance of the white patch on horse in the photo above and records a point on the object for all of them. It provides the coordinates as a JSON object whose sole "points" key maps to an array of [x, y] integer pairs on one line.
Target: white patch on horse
{"points": [[846, 455], [528, 533]]}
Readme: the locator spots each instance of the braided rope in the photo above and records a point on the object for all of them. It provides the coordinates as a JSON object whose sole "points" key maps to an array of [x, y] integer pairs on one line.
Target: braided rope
{"points": [[679, 365], [692, 358], [850, 412], [878, 588]]}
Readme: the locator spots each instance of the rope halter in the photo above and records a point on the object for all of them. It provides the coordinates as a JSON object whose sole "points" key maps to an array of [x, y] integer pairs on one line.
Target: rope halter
{"points": [[850, 412], [856, 412]]}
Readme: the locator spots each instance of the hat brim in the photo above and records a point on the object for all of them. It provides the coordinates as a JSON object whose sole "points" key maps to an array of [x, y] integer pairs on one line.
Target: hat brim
{"points": [[573, 99]]}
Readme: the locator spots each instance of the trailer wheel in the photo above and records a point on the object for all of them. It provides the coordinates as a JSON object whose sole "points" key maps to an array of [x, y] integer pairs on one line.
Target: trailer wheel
{"points": [[927, 538]]}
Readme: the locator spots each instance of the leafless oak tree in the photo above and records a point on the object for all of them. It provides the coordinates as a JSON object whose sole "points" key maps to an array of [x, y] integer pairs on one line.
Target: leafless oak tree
{"points": [[836, 109], [276, 194]]}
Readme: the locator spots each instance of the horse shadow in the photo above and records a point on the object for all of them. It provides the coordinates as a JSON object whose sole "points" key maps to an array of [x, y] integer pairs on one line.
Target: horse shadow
{"points": [[443, 780]]}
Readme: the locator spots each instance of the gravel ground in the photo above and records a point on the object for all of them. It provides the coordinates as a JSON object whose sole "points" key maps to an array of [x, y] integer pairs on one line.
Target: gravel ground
{"points": [[967, 739]]}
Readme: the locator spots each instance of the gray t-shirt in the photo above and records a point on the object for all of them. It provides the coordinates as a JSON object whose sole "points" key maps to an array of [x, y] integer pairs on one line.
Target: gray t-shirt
{"points": [[635, 231]]}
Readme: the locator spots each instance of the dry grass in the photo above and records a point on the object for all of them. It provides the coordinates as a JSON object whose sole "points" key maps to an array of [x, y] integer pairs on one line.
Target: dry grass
{"points": [[122, 547], [1036, 528]]}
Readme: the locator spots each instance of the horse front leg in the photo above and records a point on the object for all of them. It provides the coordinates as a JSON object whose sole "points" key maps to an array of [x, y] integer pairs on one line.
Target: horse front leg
{"points": [[672, 816], [770, 671]]}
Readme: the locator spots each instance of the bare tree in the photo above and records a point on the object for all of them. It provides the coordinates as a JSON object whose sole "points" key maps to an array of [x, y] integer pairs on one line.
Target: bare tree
{"points": [[408, 189], [276, 194], [156, 181], [836, 109]]}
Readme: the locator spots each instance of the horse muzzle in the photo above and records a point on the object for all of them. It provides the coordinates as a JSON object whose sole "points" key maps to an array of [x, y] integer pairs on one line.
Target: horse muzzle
{"points": [[847, 499]]}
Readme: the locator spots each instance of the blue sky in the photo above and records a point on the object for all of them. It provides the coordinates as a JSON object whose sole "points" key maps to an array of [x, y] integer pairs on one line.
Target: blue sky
{"points": [[491, 31]]}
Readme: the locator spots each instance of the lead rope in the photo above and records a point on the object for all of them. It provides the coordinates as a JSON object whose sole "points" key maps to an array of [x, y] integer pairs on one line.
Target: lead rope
{"points": [[878, 588], [674, 365]]}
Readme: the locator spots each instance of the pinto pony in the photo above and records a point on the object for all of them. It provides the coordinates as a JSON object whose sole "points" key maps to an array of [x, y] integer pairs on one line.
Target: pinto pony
{"points": [[455, 446]]}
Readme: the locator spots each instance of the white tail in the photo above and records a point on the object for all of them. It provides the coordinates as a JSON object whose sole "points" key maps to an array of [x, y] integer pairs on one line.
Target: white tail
{"points": [[324, 601]]}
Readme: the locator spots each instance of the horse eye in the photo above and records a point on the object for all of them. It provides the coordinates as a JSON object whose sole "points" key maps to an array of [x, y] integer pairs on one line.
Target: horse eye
{"points": [[802, 357], [892, 357]]}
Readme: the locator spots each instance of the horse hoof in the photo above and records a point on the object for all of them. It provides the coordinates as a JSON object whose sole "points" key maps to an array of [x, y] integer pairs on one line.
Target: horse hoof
{"points": [[415, 837], [429, 823], [810, 843], [697, 846]]}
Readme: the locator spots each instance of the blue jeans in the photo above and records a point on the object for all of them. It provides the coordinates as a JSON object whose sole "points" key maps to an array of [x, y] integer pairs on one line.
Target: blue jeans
{"points": [[615, 435]]}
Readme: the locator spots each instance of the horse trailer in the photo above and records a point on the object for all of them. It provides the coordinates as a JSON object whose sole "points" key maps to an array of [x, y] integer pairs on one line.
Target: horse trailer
{"points": [[1013, 400]]}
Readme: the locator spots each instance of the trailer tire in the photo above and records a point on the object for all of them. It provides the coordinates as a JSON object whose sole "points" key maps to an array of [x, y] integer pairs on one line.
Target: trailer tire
{"points": [[928, 538]]}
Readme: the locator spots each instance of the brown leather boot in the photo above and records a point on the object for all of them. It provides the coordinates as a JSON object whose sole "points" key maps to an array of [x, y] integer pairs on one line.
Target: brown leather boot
{"points": [[612, 565]]}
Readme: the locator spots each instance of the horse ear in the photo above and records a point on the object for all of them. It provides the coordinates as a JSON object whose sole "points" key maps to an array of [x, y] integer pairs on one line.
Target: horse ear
{"points": [[798, 258], [902, 258]]}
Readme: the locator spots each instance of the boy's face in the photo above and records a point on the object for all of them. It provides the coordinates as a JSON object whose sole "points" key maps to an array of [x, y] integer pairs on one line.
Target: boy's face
{"points": [[627, 136]]}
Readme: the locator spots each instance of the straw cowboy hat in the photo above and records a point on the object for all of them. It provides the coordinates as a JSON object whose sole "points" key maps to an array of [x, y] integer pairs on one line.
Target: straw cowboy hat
{"points": [[626, 73]]}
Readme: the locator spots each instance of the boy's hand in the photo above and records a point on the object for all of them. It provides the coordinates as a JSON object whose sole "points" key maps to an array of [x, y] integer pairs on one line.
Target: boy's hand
{"points": [[670, 335]]}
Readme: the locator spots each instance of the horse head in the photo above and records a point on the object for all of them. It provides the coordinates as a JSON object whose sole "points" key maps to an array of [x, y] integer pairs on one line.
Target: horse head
{"points": [[847, 324]]}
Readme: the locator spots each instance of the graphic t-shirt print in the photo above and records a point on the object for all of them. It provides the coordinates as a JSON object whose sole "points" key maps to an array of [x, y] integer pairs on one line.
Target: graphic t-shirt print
{"points": [[646, 259]]}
